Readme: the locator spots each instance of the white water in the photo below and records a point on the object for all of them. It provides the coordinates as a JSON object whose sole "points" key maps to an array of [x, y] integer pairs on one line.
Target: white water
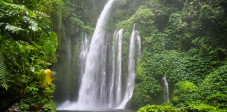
{"points": [[119, 71], [139, 46], [83, 53], [112, 80], [166, 89], [131, 65], [115, 93], [102, 84], [92, 92]]}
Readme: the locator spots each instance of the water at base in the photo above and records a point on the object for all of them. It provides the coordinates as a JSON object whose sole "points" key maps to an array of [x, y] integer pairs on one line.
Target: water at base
{"points": [[108, 110]]}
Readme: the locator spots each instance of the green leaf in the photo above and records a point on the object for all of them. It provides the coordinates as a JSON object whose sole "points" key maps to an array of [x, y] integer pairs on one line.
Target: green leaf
{"points": [[13, 29], [51, 44]]}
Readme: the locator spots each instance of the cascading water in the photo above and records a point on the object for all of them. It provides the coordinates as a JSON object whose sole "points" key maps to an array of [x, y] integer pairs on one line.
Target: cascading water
{"points": [[131, 65], [101, 85], [166, 89], [112, 80], [92, 92], [166, 85], [119, 63], [115, 93], [83, 53], [139, 46]]}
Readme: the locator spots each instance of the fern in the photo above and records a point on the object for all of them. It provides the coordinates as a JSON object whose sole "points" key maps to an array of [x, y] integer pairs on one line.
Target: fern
{"points": [[13, 29], [51, 44], [3, 73], [17, 18]]}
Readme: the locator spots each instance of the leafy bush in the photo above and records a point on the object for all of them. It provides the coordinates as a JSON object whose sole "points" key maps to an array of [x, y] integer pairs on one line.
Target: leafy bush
{"points": [[17, 19], [26, 50], [189, 108], [157, 108], [49, 107], [214, 83], [200, 108], [184, 93], [185, 87], [217, 100]]}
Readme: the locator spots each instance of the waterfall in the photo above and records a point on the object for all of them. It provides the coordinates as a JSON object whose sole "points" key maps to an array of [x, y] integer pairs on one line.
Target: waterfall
{"points": [[166, 89], [93, 93], [112, 80], [119, 63], [101, 77], [115, 93], [139, 46], [131, 65], [83, 53]]}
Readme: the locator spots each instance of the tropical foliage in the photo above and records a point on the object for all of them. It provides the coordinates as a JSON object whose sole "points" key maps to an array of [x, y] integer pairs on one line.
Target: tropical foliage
{"points": [[28, 47], [186, 42]]}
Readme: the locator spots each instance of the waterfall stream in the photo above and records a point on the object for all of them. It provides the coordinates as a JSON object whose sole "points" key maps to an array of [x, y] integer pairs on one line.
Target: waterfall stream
{"points": [[131, 65], [115, 93], [165, 89], [93, 92], [101, 84], [119, 67]]}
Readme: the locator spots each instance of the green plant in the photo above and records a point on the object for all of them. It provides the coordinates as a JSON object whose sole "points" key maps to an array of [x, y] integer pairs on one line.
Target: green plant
{"points": [[49, 107], [200, 108], [3, 73], [157, 108], [214, 83], [217, 100], [50, 45]]}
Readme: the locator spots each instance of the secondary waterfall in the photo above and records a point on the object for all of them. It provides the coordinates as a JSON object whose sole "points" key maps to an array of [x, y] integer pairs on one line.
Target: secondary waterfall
{"points": [[165, 89], [131, 65], [100, 61], [115, 93]]}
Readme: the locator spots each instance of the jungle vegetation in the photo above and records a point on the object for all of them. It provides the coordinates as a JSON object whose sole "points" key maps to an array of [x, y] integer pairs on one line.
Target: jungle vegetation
{"points": [[31, 32], [185, 40]]}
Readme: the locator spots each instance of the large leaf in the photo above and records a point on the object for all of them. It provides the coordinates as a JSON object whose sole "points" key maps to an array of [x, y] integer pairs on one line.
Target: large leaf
{"points": [[51, 44], [13, 29]]}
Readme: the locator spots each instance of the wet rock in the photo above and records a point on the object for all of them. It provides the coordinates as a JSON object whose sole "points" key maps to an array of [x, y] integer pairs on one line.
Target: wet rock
{"points": [[14, 109]]}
